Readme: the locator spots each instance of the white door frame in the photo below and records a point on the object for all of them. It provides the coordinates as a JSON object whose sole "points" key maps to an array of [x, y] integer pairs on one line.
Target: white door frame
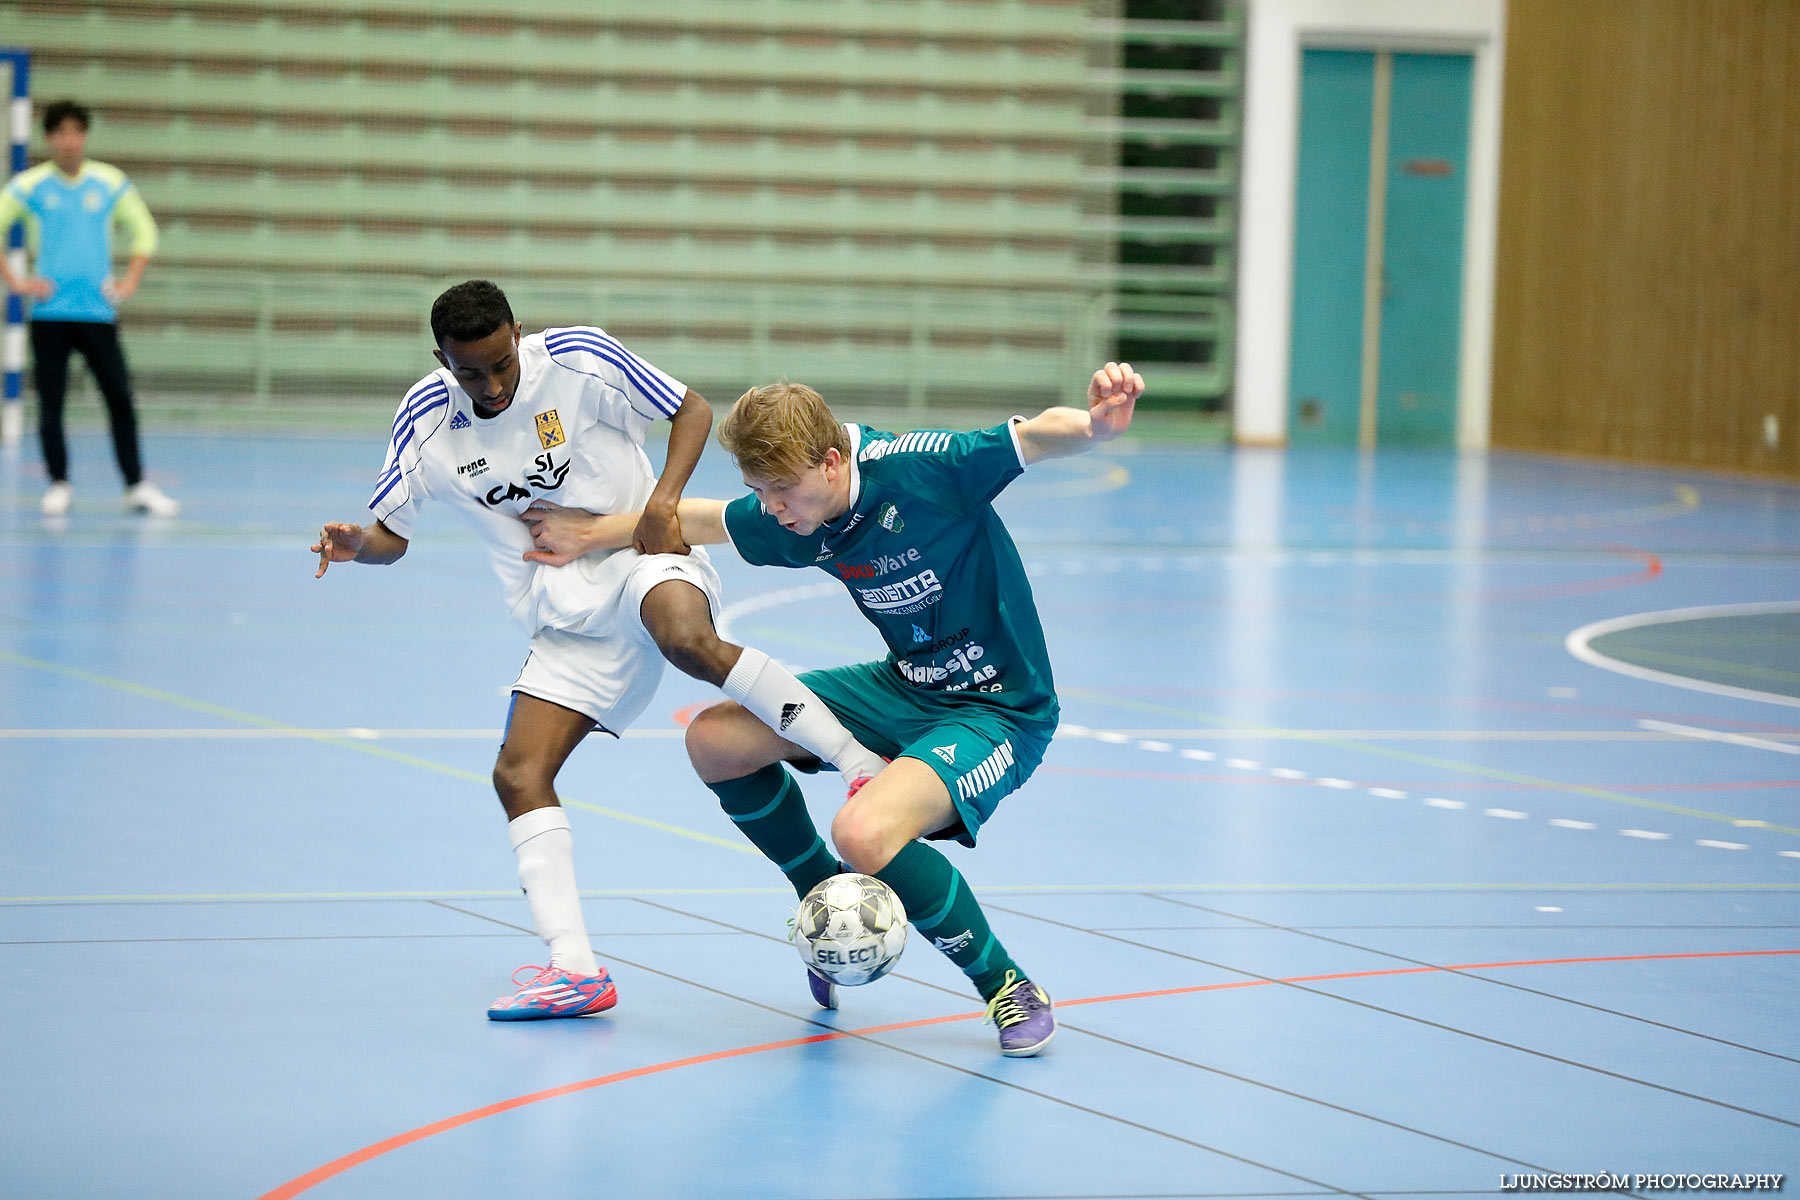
{"points": [[1279, 30]]}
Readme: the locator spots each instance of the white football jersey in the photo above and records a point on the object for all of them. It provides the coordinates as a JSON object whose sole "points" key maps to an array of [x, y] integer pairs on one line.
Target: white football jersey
{"points": [[574, 434]]}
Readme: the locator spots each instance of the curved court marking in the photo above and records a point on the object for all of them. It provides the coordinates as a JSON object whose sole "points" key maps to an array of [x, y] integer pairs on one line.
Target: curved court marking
{"points": [[338, 1166], [766, 600], [1578, 644], [775, 599]]}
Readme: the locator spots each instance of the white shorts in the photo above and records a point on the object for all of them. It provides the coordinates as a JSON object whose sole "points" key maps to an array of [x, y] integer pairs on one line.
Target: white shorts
{"points": [[612, 678]]}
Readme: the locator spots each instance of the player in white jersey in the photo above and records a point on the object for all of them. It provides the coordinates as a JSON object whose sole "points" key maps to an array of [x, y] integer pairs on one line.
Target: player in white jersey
{"points": [[562, 414]]}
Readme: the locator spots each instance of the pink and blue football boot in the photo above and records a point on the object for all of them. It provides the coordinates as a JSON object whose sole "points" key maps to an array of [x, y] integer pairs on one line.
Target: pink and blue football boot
{"points": [[554, 992]]}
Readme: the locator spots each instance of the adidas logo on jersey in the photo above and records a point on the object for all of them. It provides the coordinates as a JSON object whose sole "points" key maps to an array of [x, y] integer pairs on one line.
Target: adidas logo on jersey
{"points": [[460, 421], [789, 714], [947, 753]]}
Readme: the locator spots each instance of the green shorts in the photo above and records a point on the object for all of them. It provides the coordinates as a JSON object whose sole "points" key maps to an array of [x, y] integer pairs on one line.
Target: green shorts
{"points": [[982, 752]]}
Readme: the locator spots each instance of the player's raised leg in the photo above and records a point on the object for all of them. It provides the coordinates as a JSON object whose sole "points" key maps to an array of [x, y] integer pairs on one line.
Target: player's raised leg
{"points": [[876, 833], [739, 758], [678, 618], [540, 736]]}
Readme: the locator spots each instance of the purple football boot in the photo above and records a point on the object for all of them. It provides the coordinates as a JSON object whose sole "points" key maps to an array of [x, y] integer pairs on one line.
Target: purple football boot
{"points": [[824, 992], [1022, 1012]]}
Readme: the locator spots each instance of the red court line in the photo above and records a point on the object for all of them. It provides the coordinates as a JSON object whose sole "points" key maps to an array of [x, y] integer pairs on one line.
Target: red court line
{"points": [[318, 1175]]}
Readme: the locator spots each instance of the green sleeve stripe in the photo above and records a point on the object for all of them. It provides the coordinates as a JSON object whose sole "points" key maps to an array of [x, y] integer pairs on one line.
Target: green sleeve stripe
{"points": [[106, 173], [133, 216], [29, 178]]}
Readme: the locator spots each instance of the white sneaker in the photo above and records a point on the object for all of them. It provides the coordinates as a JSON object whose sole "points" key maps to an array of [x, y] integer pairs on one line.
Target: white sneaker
{"points": [[146, 497], [57, 498]]}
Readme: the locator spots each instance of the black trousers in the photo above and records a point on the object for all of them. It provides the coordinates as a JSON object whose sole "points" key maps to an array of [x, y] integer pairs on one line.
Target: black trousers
{"points": [[51, 342]]}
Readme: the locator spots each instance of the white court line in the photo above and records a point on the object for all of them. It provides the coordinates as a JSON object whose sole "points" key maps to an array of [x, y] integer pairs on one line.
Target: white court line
{"points": [[1396, 735], [355, 732], [1719, 735], [1577, 643], [1131, 887], [754, 604]]}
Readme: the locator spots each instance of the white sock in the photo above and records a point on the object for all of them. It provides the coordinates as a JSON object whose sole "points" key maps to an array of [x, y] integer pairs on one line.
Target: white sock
{"points": [[545, 848], [790, 708]]}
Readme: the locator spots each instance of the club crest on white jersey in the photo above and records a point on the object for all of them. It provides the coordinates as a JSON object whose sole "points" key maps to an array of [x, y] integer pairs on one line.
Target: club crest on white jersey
{"points": [[573, 434]]}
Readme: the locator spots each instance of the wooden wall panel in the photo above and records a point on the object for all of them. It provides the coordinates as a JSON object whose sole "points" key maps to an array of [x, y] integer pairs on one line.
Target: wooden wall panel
{"points": [[1648, 293]]}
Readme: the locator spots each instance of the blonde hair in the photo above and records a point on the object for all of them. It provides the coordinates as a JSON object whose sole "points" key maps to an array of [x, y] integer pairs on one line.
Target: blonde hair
{"points": [[779, 430]]}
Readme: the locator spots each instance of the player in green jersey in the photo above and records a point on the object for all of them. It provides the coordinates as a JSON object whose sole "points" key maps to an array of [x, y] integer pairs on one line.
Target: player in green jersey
{"points": [[964, 703]]}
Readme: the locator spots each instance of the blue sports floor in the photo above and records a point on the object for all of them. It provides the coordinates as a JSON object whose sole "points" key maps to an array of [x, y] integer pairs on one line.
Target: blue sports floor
{"points": [[1348, 874]]}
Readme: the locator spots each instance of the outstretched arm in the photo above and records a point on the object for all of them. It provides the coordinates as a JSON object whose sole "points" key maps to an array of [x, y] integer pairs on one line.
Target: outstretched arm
{"points": [[563, 535], [658, 531], [1056, 432], [340, 542]]}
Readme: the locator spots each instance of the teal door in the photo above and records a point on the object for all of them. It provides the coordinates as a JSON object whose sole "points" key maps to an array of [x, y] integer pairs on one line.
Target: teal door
{"points": [[1376, 337], [1331, 221]]}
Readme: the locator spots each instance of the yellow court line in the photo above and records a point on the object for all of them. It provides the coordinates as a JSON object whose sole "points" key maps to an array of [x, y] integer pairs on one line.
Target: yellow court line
{"points": [[361, 747], [1442, 763], [1424, 760], [1105, 476]]}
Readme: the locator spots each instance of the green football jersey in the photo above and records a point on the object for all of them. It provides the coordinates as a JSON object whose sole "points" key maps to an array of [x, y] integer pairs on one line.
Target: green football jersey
{"points": [[928, 561]]}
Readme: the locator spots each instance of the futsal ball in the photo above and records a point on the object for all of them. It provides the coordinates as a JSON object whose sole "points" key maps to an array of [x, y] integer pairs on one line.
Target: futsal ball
{"points": [[851, 929]]}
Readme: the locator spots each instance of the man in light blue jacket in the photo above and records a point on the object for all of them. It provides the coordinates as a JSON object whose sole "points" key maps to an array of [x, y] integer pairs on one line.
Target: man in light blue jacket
{"points": [[70, 205]]}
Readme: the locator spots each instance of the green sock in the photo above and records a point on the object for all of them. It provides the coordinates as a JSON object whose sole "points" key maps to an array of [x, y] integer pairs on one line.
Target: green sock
{"points": [[770, 810], [940, 905]]}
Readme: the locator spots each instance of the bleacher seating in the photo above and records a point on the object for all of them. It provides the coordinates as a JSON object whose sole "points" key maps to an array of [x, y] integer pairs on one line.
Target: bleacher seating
{"points": [[893, 197]]}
